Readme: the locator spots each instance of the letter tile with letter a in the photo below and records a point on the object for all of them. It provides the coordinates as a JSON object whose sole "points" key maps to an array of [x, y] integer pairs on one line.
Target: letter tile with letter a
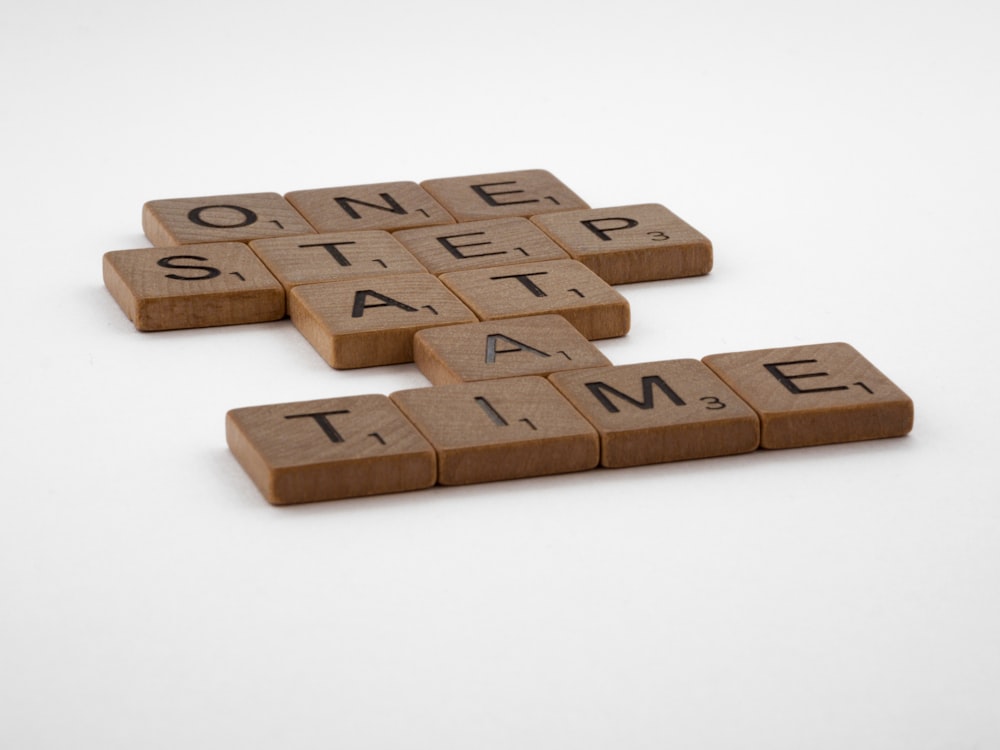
{"points": [[221, 218], [815, 394], [563, 287], [371, 321], [627, 244], [657, 412], [525, 192], [536, 345], [192, 286], [330, 449]]}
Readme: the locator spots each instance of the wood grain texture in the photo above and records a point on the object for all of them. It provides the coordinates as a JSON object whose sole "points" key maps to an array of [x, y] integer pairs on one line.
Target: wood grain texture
{"points": [[330, 449], [371, 321], [194, 286], [657, 412], [563, 287], [627, 244], [523, 192], [383, 205], [815, 394], [221, 218], [479, 244], [500, 429], [537, 345], [334, 256]]}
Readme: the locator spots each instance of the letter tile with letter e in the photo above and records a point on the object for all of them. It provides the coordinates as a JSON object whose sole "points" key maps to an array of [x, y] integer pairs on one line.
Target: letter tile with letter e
{"points": [[192, 286], [524, 192], [500, 429], [563, 287], [382, 205], [628, 244], [330, 449], [657, 412], [536, 345], [479, 244], [371, 321], [221, 218], [815, 394]]}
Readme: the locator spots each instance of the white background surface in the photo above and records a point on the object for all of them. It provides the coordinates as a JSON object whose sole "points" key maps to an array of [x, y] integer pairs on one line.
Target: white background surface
{"points": [[842, 157]]}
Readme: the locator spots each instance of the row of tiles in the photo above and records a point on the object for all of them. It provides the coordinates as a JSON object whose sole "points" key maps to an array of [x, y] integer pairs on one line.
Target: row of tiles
{"points": [[573, 420]]}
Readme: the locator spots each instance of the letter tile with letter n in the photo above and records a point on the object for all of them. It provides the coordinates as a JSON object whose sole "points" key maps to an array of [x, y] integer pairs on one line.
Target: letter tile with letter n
{"points": [[657, 412], [524, 192], [536, 345], [330, 449], [563, 287], [313, 259], [500, 429], [627, 244], [382, 205], [192, 286], [815, 394], [371, 321], [479, 244], [221, 218]]}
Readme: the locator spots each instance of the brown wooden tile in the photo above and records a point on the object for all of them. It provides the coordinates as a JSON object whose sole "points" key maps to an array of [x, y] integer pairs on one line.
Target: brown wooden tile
{"points": [[330, 449], [334, 256], [500, 429], [564, 287], [479, 244], [626, 244], [371, 321], [383, 205], [221, 218], [537, 345], [657, 412], [194, 286], [524, 192], [816, 394]]}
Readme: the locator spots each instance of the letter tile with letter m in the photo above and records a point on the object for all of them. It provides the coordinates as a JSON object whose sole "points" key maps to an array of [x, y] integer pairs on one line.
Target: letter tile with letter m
{"points": [[657, 412]]}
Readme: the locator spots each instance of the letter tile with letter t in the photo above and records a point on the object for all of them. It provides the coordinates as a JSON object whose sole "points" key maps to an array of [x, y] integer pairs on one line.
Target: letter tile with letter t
{"points": [[330, 449], [815, 394], [563, 287]]}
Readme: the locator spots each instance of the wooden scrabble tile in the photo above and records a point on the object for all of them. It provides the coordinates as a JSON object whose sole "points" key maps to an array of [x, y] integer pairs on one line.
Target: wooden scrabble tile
{"points": [[371, 321], [657, 412], [564, 287], [317, 258], [811, 395], [221, 218], [536, 345], [524, 192], [194, 286], [383, 205], [631, 243], [500, 429], [330, 449], [479, 244]]}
